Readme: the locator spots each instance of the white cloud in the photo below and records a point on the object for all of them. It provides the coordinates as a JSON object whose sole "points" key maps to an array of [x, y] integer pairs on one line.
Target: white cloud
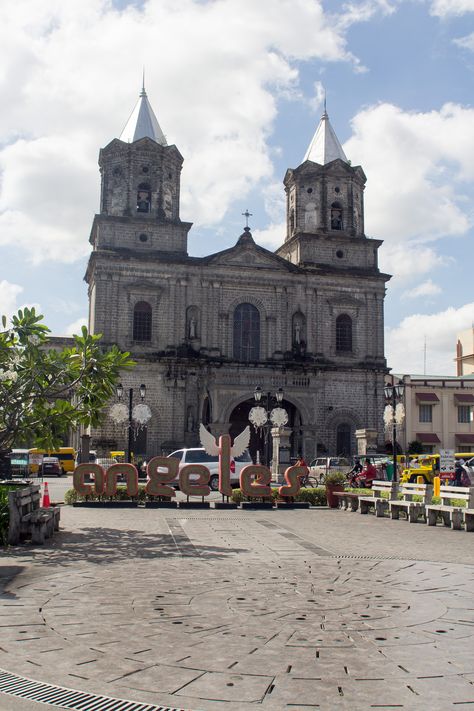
{"points": [[405, 343], [9, 294], [408, 261], [75, 327], [426, 288], [420, 177], [466, 42], [271, 237], [67, 86], [444, 8]]}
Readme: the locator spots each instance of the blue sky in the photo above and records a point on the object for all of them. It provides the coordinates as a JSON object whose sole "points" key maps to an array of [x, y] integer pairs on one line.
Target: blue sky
{"points": [[237, 86]]}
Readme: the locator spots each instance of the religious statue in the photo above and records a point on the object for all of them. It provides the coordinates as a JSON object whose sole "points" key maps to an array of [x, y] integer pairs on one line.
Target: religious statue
{"points": [[192, 327]]}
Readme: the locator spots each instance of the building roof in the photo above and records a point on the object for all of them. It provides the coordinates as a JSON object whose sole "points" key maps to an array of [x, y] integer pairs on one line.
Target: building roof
{"points": [[143, 123], [325, 146]]}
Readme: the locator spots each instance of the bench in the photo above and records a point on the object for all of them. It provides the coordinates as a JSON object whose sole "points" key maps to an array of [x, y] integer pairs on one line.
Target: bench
{"points": [[453, 516], [377, 501], [413, 509], [347, 500], [28, 519]]}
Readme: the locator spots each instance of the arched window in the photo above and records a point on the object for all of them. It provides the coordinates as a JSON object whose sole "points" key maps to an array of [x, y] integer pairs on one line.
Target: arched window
{"points": [[336, 216], [246, 333], [343, 333], [142, 321], [343, 439], [143, 198]]}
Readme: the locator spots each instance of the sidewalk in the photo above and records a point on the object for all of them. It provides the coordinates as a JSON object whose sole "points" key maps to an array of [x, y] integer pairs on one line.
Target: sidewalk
{"points": [[214, 610]]}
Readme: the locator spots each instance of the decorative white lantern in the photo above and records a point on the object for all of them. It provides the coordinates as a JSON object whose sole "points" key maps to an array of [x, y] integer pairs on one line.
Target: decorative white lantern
{"points": [[279, 416]]}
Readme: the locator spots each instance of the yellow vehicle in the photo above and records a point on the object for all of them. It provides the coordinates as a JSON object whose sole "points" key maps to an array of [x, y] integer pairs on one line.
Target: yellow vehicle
{"points": [[119, 456], [66, 456], [428, 467]]}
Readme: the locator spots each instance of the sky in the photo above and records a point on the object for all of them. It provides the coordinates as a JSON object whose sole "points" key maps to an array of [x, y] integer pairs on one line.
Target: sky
{"points": [[238, 87]]}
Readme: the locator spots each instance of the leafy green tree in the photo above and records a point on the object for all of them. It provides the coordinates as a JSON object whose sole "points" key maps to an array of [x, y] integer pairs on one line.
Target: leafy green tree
{"points": [[45, 392], [415, 447]]}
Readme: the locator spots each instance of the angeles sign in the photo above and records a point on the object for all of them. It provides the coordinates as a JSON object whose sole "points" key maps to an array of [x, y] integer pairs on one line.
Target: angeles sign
{"points": [[193, 479]]}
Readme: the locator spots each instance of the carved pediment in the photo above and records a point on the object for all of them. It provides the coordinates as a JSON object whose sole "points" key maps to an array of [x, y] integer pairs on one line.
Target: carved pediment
{"points": [[250, 255], [143, 290]]}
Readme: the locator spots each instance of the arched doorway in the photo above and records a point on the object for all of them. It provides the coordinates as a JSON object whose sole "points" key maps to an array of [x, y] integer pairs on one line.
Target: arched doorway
{"points": [[239, 419]]}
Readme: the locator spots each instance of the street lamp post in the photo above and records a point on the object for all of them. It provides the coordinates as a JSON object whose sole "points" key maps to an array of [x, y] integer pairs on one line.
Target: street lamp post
{"points": [[130, 413], [269, 398], [392, 394]]}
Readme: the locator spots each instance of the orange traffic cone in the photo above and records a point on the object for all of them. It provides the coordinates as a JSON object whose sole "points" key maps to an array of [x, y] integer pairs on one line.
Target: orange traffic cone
{"points": [[46, 501]]}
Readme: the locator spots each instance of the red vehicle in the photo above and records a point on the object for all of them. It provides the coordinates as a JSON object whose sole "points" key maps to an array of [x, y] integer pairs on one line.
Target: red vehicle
{"points": [[50, 466]]}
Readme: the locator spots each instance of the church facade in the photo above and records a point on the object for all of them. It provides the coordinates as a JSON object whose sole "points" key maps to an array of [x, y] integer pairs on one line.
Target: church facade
{"points": [[204, 332]]}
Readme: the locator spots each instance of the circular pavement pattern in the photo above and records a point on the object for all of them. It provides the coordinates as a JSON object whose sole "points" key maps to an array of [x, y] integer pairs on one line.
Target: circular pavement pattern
{"points": [[258, 621]]}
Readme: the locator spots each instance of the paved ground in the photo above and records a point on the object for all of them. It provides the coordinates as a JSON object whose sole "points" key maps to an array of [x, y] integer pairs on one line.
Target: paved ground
{"points": [[241, 610]]}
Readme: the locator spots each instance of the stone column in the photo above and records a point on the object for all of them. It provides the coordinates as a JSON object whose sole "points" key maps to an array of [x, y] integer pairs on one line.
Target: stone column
{"points": [[85, 448], [281, 452], [366, 441]]}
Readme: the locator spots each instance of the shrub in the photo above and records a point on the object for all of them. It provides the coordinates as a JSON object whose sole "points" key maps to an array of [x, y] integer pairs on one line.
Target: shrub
{"points": [[336, 478], [316, 497], [71, 496]]}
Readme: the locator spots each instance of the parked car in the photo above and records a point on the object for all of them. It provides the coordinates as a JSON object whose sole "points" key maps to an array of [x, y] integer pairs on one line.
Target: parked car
{"points": [[50, 466], [198, 455], [321, 466]]}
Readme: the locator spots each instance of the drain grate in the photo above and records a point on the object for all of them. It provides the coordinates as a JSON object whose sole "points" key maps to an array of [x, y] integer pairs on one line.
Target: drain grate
{"points": [[68, 698]]}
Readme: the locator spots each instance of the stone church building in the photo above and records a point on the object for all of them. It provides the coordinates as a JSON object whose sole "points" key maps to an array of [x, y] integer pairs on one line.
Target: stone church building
{"points": [[205, 331]]}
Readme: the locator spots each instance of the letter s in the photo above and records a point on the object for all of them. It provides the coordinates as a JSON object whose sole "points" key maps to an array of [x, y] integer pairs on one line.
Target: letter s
{"points": [[292, 478]]}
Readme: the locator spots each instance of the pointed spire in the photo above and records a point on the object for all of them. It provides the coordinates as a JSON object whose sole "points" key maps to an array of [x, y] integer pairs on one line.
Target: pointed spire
{"points": [[143, 121], [325, 146]]}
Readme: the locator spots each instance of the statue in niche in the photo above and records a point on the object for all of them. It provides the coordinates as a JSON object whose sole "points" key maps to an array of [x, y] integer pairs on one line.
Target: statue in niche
{"points": [[190, 420], [192, 327], [299, 343], [167, 204], [297, 334]]}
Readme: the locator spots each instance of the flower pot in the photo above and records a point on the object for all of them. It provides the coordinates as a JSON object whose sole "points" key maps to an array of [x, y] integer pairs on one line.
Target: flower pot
{"points": [[330, 489]]}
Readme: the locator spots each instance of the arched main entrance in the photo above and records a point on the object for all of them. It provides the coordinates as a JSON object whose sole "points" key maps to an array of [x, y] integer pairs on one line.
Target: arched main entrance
{"points": [[239, 419]]}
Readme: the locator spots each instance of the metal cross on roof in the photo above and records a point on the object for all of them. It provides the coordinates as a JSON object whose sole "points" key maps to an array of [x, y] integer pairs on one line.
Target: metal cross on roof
{"points": [[247, 214]]}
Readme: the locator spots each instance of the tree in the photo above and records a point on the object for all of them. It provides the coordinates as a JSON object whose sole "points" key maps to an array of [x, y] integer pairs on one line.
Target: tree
{"points": [[415, 447], [45, 392]]}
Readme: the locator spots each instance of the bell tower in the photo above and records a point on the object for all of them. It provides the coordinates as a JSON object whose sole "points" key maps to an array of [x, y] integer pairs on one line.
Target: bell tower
{"points": [[325, 206], [140, 189]]}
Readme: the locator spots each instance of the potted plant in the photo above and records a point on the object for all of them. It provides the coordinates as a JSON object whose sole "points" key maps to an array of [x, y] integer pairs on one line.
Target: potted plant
{"points": [[335, 481]]}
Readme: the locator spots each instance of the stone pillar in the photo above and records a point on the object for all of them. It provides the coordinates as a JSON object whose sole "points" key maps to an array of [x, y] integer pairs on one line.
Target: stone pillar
{"points": [[85, 448], [366, 441], [281, 452]]}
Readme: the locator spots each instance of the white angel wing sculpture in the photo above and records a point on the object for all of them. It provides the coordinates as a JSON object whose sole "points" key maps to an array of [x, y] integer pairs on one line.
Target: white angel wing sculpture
{"points": [[208, 441], [241, 442]]}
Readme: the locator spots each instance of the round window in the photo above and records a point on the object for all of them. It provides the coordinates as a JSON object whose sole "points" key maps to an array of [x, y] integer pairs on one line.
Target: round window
{"points": [[339, 253], [143, 238], [145, 169], [337, 189], [309, 190]]}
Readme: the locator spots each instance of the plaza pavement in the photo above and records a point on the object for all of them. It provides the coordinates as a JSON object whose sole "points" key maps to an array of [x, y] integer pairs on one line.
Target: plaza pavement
{"points": [[242, 610]]}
